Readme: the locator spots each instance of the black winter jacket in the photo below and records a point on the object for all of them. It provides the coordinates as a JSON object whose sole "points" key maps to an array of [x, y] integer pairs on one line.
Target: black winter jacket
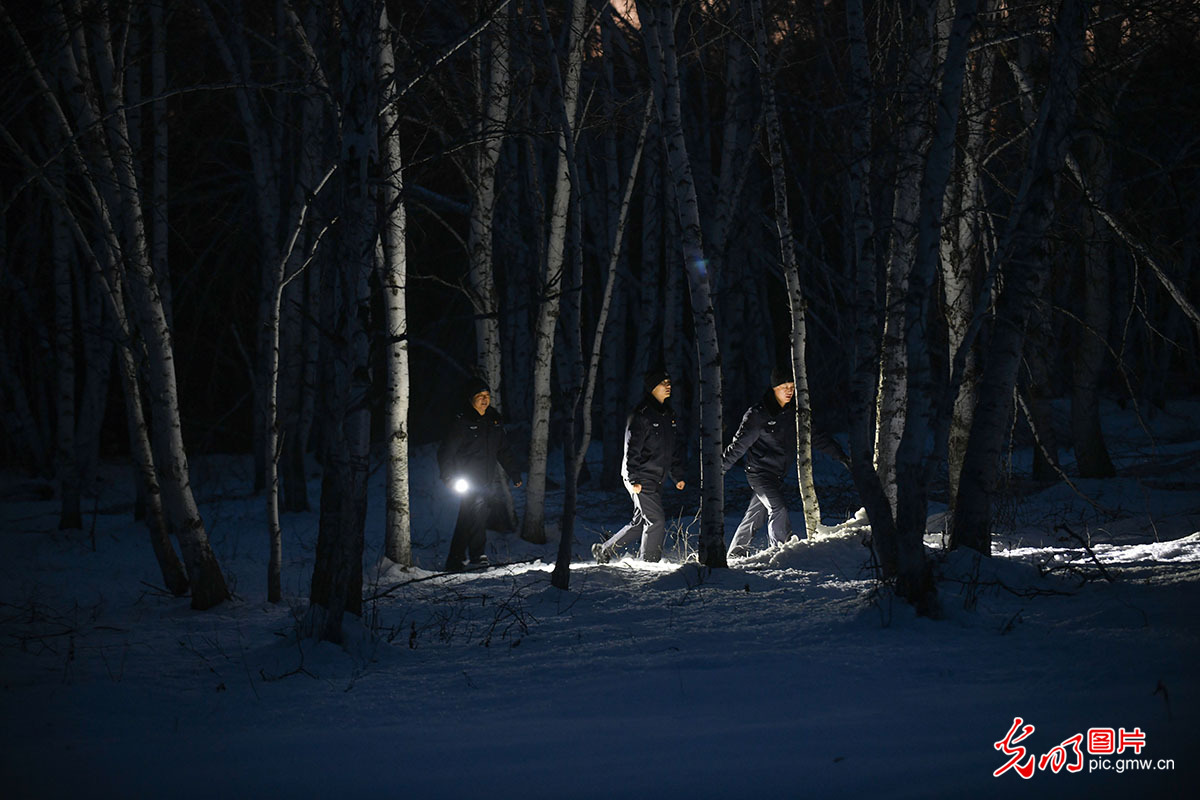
{"points": [[652, 448], [473, 447], [767, 437]]}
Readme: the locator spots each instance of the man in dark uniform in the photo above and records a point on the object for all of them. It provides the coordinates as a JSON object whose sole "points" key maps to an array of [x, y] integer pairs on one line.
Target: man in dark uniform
{"points": [[468, 459], [767, 438], [653, 451]]}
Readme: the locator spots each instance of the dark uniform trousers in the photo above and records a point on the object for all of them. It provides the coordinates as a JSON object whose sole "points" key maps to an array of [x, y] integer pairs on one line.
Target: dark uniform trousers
{"points": [[768, 502], [649, 522], [470, 531]]}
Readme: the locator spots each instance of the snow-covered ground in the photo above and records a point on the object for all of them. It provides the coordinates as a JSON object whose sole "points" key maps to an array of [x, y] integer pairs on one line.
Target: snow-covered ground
{"points": [[787, 675]]}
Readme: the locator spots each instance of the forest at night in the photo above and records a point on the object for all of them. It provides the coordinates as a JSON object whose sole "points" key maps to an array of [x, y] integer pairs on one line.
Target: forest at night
{"points": [[599, 397]]}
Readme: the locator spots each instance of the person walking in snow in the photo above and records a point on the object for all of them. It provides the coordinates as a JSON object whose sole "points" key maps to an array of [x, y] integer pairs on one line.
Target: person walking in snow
{"points": [[469, 459], [767, 439], [653, 455]]}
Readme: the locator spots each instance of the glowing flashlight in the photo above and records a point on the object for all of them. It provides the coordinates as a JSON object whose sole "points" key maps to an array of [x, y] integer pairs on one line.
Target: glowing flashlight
{"points": [[461, 486]]}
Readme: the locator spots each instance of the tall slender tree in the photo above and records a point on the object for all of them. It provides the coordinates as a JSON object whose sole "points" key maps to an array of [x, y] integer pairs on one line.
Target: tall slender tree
{"points": [[1022, 258], [659, 36], [533, 526]]}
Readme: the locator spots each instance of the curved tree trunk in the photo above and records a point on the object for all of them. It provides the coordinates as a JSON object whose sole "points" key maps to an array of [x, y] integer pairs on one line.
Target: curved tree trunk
{"points": [[107, 179], [204, 574], [1022, 257]]}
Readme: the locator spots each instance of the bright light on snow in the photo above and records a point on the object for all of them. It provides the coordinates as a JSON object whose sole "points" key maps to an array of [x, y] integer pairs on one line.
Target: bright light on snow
{"points": [[776, 658]]}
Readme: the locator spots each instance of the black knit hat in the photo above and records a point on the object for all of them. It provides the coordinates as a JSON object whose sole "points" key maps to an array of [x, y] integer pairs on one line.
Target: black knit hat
{"points": [[781, 375], [474, 386], [653, 378]]}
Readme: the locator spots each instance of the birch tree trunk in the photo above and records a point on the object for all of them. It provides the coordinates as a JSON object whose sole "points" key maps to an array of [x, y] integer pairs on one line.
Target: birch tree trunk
{"points": [[865, 370], [659, 35], [791, 272], [267, 194], [1021, 255], [297, 324], [533, 528], [916, 456], [614, 361], [345, 366], [398, 521], [649, 316], [98, 181], [913, 141], [494, 94], [961, 252], [207, 582], [561, 575], [175, 578], [268, 197]]}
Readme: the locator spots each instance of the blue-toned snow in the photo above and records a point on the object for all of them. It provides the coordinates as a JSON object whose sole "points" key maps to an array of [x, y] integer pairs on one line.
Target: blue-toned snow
{"points": [[787, 675]]}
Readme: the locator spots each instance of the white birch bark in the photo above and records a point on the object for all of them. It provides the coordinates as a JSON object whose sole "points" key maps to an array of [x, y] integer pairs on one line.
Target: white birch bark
{"points": [[1021, 255], [610, 282], [916, 456], [533, 526], [961, 251], [110, 175], [271, 395], [865, 373], [659, 35], [912, 142], [397, 521], [107, 269], [791, 271], [493, 102], [207, 582]]}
